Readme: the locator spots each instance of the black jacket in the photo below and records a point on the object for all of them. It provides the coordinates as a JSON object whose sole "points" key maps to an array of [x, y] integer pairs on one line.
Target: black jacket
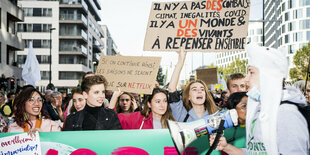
{"points": [[106, 120]]}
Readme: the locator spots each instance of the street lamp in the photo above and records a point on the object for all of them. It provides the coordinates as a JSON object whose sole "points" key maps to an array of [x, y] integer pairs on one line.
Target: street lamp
{"points": [[50, 76]]}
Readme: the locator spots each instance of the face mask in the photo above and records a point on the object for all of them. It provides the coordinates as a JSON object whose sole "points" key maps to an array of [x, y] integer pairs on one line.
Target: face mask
{"points": [[254, 94]]}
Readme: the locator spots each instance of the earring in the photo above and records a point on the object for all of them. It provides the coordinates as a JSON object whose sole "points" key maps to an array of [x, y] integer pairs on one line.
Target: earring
{"points": [[40, 115], [25, 117]]}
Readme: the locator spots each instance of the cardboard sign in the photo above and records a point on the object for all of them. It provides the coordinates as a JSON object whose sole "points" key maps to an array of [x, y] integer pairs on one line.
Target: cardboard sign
{"points": [[209, 75], [21, 144], [200, 25], [129, 73]]}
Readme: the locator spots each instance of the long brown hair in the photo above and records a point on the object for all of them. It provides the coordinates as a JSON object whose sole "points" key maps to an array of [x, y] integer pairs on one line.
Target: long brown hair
{"points": [[118, 107], [146, 110], [209, 104], [76, 90], [20, 103]]}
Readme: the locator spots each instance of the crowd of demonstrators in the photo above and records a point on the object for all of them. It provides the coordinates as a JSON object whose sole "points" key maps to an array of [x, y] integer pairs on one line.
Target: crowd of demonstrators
{"points": [[91, 107]]}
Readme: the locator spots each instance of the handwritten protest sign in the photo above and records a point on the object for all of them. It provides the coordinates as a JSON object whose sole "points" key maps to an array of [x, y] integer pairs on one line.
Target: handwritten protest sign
{"points": [[200, 25], [21, 144], [129, 73], [209, 75]]}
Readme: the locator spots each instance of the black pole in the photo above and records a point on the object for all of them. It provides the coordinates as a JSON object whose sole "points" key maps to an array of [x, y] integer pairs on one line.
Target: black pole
{"points": [[50, 76], [263, 23]]}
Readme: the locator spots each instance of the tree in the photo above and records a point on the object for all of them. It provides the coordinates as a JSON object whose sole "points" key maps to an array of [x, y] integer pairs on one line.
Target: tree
{"points": [[160, 76], [237, 66], [301, 61]]}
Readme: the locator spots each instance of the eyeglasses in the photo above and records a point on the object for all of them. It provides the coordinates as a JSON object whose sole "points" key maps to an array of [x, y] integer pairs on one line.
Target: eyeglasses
{"points": [[123, 100], [32, 100]]}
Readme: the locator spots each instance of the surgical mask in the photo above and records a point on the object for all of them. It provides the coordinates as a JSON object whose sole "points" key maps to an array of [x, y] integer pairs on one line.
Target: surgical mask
{"points": [[254, 94]]}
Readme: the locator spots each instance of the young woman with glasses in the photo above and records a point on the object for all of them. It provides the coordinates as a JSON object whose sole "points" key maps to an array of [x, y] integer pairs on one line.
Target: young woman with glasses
{"points": [[29, 114]]}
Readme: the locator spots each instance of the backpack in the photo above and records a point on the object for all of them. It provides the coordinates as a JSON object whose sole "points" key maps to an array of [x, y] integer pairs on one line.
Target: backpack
{"points": [[304, 110]]}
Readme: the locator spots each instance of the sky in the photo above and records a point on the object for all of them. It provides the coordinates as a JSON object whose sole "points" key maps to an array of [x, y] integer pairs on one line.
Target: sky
{"points": [[127, 22]]}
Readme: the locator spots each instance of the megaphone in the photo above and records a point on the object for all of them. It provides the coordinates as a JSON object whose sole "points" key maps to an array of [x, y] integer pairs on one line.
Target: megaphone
{"points": [[183, 134]]}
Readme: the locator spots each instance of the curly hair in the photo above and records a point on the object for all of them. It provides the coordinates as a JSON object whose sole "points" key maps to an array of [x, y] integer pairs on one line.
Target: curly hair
{"points": [[20, 103]]}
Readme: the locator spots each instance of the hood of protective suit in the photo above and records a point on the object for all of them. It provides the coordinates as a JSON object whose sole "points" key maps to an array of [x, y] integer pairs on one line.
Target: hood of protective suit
{"points": [[294, 95]]}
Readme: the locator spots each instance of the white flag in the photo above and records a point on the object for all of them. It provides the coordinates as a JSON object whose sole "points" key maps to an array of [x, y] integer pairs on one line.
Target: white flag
{"points": [[31, 71]]}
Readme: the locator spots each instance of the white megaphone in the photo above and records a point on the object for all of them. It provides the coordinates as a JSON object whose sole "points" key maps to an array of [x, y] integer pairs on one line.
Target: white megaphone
{"points": [[183, 134]]}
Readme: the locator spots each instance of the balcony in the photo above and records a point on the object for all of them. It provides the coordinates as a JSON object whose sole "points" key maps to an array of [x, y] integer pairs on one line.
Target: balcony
{"points": [[79, 35], [15, 40], [94, 10], [73, 4], [73, 50], [84, 35], [73, 19], [15, 13], [97, 47]]}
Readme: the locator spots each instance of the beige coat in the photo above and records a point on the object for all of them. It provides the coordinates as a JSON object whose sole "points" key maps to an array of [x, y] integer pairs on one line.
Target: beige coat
{"points": [[46, 126]]}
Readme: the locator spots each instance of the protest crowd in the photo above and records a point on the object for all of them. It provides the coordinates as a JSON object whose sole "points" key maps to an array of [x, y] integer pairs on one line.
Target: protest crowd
{"points": [[90, 106], [273, 114]]}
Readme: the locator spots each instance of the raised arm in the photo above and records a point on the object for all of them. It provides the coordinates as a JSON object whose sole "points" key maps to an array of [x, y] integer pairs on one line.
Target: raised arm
{"points": [[177, 70], [114, 97]]}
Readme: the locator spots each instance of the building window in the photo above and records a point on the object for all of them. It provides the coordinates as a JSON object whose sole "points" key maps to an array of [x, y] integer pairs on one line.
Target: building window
{"points": [[70, 75], [287, 38], [287, 16], [304, 24], [304, 2], [297, 36], [37, 43], [308, 13], [43, 59], [297, 14], [283, 28], [308, 35], [45, 75], [283, 7], [33, 27], [259, 31], [291, 4], [38, 12], [21, 59], [292, 26]]}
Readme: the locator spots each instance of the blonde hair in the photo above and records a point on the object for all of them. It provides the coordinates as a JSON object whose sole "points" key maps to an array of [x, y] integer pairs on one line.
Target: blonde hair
{"points": [[209, 104]]}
